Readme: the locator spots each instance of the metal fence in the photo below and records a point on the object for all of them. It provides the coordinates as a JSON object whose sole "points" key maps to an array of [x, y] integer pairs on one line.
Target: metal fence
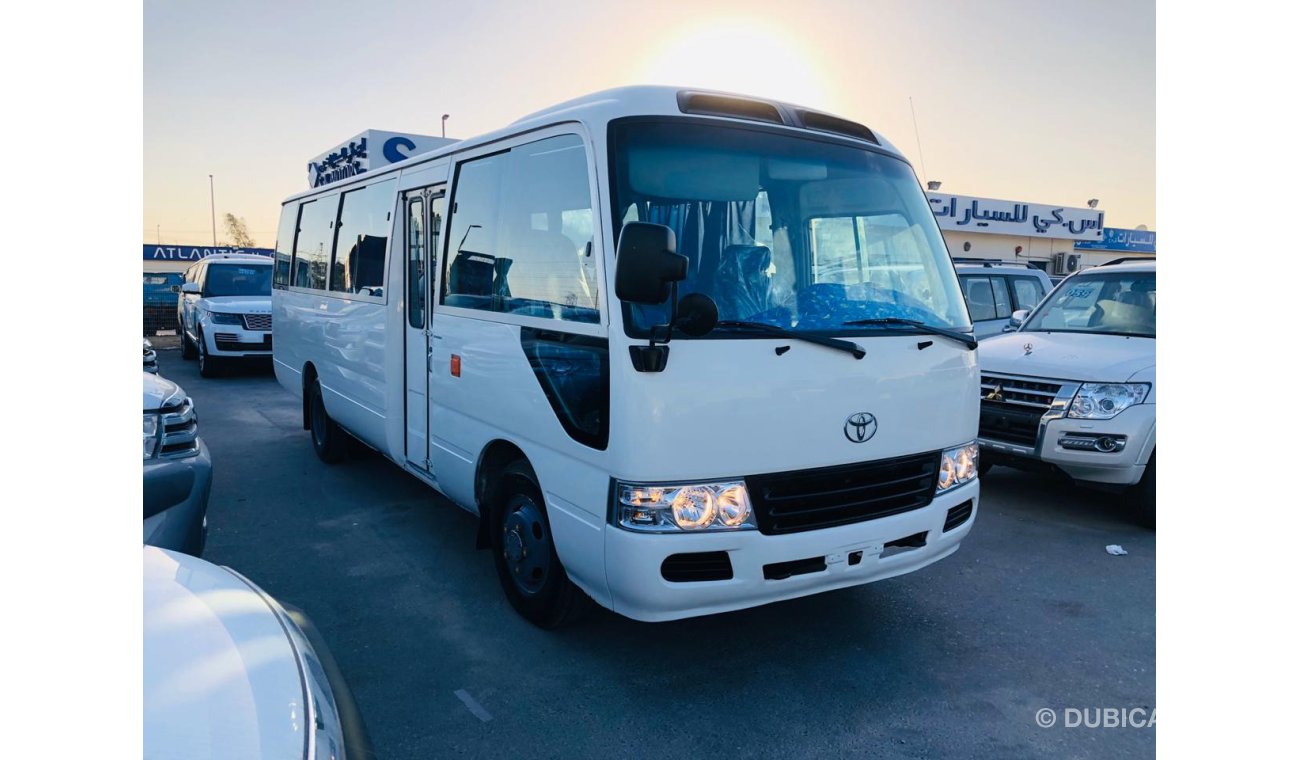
{"points": [[159, 320]]}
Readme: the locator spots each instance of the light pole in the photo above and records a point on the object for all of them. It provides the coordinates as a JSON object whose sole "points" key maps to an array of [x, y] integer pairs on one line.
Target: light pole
{"points": [[444, 124], [212, 199]]}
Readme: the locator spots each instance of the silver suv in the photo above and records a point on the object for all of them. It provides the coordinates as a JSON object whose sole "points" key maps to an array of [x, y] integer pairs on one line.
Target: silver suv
{"points": [[994, 289]]}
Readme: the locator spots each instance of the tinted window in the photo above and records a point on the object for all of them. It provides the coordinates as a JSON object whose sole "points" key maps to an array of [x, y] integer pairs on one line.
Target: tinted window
{"points": [[237, 280], [1001, 298], [415, 284], [521, 233], [311, 252], [1028, 292], [284, 243], [363, 227], [979, 298]]}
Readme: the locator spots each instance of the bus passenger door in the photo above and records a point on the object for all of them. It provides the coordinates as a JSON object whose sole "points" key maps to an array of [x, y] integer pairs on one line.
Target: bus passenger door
{"points": [[423, 215]]}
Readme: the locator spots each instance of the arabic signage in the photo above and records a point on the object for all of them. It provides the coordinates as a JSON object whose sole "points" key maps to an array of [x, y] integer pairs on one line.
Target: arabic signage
{"points": [[367, 151], [196, 252], [963, 213], [1116, 239]]}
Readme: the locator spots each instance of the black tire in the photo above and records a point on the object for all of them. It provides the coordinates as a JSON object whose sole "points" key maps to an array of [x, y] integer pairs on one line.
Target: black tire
{"points": [[188, 351], [328, 439], [208, 366], [1144, 495], [529, 569]]}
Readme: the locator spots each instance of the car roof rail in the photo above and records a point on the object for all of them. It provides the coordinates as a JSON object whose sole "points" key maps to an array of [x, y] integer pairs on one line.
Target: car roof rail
{"points": [[990, 262], [1126, 259]]}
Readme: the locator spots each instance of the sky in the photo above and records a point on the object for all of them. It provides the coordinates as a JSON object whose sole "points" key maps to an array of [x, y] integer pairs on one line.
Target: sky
{"points": [[1033, 101]]}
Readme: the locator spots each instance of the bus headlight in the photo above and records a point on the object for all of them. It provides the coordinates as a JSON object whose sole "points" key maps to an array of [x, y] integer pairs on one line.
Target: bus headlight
{"points": [[958, 465], [1102, 401], [683, 507]]}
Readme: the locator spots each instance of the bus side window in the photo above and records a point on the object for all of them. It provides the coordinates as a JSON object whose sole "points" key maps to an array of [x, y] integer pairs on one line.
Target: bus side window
{"points": [[416, 287], [284, 244], [520, 225], [315, 243], [362, 232]]}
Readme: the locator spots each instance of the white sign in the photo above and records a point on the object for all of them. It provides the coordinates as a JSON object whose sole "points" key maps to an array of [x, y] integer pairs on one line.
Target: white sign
{"points": [[368, 151], [962, 213]]}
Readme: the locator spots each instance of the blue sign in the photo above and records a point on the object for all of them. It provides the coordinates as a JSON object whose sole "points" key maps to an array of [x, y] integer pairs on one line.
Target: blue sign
{"points": [[197, 252], [1115, 239]]}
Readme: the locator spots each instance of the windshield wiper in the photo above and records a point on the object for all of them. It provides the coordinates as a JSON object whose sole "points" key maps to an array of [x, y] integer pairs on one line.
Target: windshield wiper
{"points": [[846, 346], [962, 338]]}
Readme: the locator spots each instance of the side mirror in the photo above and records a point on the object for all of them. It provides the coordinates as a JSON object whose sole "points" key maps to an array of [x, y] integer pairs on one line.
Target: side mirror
{"points": [[1018, 318], [647, 263], [176, 288], [697, 314], [191, 287]]}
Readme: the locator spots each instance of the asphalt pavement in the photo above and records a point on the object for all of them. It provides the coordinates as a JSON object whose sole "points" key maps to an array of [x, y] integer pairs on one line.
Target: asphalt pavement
{"points": [[956, 660]]}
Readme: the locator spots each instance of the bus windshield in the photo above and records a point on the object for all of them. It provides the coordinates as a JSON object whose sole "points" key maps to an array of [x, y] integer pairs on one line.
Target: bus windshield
{"points": [[787, 231], [238, 280]]}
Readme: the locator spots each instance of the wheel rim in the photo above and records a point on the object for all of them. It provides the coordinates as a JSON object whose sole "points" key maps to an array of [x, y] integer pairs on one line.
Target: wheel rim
{"points": [[526, 545]]}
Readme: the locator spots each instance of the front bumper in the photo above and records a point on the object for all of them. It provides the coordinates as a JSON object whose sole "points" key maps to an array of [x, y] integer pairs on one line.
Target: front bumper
{"points": [[638, 589], [1136, 426], [176, 501], [235, 341]]}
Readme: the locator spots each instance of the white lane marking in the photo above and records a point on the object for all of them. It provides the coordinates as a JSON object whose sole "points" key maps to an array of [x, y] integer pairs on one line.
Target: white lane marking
{"points": [[473, 705]]}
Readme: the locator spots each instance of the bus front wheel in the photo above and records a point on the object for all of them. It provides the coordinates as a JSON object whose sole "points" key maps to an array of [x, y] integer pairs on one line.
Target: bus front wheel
{"points": [[529, 569]]}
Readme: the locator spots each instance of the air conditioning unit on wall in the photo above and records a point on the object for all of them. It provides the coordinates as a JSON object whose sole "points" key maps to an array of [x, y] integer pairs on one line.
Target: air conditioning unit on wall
{"points": [[1065, 263]]}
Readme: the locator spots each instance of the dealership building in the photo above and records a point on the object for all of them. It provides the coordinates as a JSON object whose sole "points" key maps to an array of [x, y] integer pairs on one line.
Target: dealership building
{"points": [[1057, 239]]}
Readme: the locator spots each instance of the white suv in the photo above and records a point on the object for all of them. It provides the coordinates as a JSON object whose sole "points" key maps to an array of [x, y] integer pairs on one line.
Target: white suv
{"points": [[224, 311], [1075, 386]]}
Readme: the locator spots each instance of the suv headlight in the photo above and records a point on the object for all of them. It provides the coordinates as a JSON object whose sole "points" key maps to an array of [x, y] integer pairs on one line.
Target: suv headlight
{"points": [[655, 508], [218, 318], [150, 435], [958, 465], [1102, 401]]}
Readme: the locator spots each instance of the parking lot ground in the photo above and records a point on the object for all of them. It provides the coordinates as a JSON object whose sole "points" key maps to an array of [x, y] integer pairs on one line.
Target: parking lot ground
{"points": [[955, 660]]}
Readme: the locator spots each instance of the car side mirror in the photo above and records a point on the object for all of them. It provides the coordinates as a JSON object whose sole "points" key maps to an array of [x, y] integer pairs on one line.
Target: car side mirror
{"points": [[647, 263], [190, 287], [176, 288], [1018, 318]]}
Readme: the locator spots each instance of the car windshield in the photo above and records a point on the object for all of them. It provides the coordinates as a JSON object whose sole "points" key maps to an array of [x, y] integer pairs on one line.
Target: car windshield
{"points": [[238, 280], [1114, 303], [797, 233]]}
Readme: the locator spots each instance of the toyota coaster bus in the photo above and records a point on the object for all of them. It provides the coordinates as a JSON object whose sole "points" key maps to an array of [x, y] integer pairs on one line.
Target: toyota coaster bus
{"points": [[680, 351]]}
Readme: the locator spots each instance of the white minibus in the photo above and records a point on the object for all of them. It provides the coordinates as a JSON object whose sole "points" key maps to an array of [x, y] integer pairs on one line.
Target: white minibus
{"points": [[681, 352]]}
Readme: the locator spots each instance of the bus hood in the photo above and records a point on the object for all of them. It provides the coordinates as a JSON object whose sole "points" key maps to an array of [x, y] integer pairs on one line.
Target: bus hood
{"points": [[733, 407], [1068, 356]]}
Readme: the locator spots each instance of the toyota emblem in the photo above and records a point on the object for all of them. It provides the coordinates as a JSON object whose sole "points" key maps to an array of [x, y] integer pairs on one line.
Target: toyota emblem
{"points": [[859, 427]]}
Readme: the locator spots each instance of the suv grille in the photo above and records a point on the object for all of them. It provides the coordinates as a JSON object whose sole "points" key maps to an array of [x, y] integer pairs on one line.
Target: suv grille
{"points": [[1011, 408], [180, 430], [257, 322], [789, 502]]}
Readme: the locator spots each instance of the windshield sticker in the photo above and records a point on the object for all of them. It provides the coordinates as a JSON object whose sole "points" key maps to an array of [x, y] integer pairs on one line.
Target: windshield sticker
{"points": [[1079, 292]]}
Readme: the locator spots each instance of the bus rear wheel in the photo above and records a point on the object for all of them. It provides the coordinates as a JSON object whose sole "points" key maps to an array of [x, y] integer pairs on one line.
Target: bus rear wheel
{"points": [[327, 438], [529, 569]]}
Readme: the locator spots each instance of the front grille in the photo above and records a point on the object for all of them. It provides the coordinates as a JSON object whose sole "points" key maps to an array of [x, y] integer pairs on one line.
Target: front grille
{"points": [[257, 322], [789, 502], [1011, 408], [180, 430], [697, 566]]}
